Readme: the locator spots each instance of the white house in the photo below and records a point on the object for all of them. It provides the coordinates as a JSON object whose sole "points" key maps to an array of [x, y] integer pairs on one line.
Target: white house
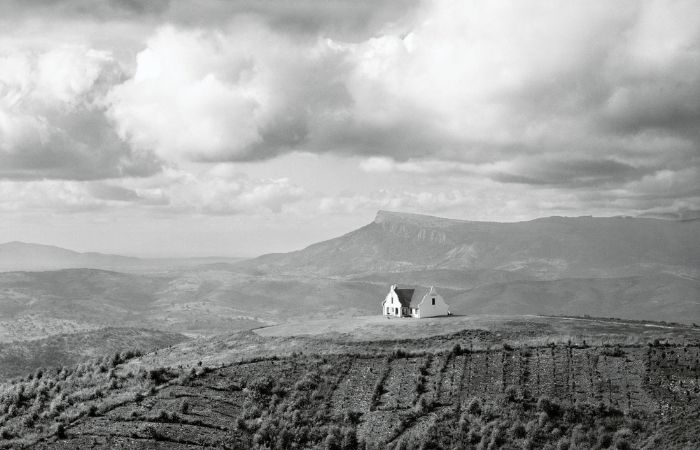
{"points": [[419, 303]]}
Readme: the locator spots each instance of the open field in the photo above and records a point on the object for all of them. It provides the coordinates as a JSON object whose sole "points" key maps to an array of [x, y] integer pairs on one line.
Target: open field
{"points": [[506, 327]]}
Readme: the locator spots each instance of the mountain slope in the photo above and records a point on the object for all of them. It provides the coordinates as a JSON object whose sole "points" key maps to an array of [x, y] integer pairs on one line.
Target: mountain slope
{"points": [[22, 358], [659, 297], [39, 304], [548, 248], [22, 256]]}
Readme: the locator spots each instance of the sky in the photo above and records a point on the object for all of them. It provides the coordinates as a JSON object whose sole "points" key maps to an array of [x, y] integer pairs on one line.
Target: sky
{"points": [[178, 128]]}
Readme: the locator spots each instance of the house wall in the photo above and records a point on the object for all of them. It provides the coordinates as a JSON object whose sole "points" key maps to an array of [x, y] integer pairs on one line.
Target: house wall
{"points": [[391, 306], [427, 309]]}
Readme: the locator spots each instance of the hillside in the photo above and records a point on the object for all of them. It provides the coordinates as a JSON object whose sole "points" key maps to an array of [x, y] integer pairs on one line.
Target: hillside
{"points": [[22, 256], [17, 256], [616, 267], [472, 388], [24, 357], [658, 297], [35, 305], [547, 248]]}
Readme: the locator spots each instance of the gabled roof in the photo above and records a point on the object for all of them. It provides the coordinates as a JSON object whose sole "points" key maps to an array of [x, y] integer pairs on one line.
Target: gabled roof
{"points": [[411, 297], [405, 296]]}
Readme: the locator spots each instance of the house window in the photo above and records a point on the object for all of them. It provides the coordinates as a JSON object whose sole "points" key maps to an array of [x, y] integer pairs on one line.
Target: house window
{"points": [[433, 301]]}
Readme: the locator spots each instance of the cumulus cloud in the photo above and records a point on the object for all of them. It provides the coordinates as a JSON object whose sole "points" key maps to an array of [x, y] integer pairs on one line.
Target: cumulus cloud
{"points": [[172, 192], [221, 193], [241, 95], [581, 106], [479, 82], [52, 122]]}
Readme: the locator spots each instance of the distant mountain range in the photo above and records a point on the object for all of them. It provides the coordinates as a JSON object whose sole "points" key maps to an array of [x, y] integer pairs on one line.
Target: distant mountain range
{"points": [[22, 256], [548, 248], [612, 267]]}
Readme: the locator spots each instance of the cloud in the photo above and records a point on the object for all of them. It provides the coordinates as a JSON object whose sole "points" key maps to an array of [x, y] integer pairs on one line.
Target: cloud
{"points": [[478, 82], [211, 193], [247, 94], [576, 105], [348, 19], [170, 193], [52, 122]]}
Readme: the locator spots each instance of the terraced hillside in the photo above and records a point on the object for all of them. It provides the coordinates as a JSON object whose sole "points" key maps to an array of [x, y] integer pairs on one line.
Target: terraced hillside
{"points": [[634, 396]]}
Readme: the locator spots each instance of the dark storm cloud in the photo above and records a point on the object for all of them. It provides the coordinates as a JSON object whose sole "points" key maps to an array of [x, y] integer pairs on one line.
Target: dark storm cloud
{"points": [[574, 173], [347, 19], [80, 9], [104, 191], [87, 148]]}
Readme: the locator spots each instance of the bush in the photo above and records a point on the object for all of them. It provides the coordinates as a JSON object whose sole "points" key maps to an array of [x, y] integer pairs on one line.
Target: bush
{"points": [[604, 440], [616, 352], [622, 439], [261, 387], [511, 394], [474, 407], [158, 376], [399, 353], [544, 404], [517, 431], [60, 431]]}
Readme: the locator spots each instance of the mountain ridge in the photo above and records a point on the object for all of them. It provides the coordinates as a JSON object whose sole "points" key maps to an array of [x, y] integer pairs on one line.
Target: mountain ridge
{"points": [[547, 247], [18, 256]]}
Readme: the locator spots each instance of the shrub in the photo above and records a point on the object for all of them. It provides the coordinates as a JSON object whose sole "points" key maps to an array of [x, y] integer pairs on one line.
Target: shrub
{"points": [[498, 437], [474, 407], [511, 394], [544, 404], [622, 439], [158, 376], [517, 431], [614, 352], [260, 387], [604, 440], [563, 444], [399, 353], [464, 423], [352, 417], [349, 439], [473, 436], [60, 431]]}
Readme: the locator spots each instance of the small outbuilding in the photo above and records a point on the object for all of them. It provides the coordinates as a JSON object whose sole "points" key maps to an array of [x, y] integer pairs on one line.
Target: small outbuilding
{"points": [[414, 302]]}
